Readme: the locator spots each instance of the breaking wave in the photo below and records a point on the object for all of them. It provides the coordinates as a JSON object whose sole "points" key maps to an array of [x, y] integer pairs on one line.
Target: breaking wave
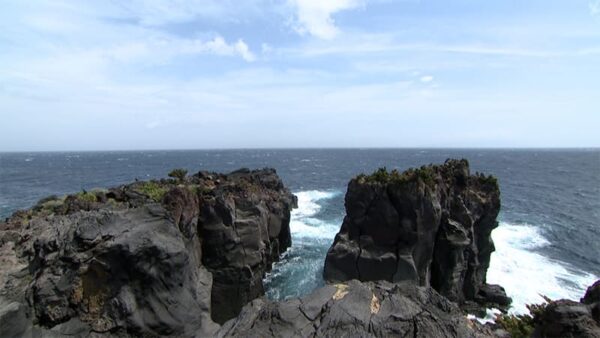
{"points": [[526, 274]]}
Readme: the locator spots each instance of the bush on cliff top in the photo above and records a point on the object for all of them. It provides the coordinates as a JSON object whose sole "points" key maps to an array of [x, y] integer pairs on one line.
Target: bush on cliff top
{"points": [[490, 180], [153, 190], [178, 174], [381, 175], [86, 196]]}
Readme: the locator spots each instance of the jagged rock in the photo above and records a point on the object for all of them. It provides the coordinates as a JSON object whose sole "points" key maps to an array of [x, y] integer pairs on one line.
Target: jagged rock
{"points": [[592, 295], [431, 226], [566, 319], [592, 298], [142, 259], [355, 309], [494, 295], [569, 319]]}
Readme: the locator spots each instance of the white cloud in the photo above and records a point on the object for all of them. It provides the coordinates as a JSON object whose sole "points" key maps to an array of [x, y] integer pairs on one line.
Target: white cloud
{"points": [[426, 78], [314, 16], [219, 46]]}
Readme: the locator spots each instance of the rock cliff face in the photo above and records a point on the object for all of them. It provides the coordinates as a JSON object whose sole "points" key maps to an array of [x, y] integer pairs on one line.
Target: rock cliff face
{"points": [[159, 258], [430, 226]]}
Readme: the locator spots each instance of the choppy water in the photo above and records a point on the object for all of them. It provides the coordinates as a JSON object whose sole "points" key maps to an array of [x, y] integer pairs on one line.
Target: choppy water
{"points": [[548, 241]]}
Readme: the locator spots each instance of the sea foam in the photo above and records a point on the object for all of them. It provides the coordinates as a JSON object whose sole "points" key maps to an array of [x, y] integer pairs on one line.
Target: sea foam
{"points": [[526, 274], [300, 269], [303, 222]]}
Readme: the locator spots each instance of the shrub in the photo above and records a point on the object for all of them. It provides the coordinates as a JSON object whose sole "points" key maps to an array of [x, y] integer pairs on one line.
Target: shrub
{"points": [[522, 326], [178, 174], [153, 190], [86, 196], [381, 175]]}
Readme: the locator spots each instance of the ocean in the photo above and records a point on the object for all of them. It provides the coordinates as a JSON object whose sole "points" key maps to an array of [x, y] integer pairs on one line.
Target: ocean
{"points": [[548, 241]]}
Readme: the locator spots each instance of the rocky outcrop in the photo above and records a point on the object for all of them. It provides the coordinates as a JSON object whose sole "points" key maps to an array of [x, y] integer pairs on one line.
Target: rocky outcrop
{"points": [[355, 309], [158, 258], [430, 226], [569, 319]]}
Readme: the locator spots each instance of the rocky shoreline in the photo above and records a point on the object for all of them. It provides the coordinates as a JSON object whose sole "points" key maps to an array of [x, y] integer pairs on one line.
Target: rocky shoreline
{"points": [[186, 257]]}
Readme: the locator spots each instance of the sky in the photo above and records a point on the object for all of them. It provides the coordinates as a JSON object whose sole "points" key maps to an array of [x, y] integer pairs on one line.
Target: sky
{"points": [[203, 74]]}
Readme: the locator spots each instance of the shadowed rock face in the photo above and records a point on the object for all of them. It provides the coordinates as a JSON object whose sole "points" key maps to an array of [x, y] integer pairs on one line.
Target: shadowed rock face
{"points": [[243, 234], [161, 258], [431, 226], [355, 309]]}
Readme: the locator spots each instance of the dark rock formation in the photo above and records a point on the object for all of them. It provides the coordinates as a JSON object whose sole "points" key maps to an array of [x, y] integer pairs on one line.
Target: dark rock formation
{"points": [[431, 226], [243, 234], [355, 309], [149, 259], [569, 319], [592, 299]]}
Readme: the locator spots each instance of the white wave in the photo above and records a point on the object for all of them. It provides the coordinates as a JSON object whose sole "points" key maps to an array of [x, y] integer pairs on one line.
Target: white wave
{"points": [[307, 202], [303, 224], [300, 229], [526, 274]]}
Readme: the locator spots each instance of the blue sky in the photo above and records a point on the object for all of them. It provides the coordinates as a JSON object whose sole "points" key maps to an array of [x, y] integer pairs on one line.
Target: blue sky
{"points": [[174, 74]]}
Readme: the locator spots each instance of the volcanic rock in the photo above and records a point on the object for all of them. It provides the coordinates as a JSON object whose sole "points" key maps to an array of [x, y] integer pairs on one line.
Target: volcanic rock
{"points": [[430, 226], [356, 309], [569, 319], [157, 258]]}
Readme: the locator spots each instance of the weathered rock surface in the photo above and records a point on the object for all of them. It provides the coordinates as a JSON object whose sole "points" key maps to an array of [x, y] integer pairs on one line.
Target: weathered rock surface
{"points": [[161, 258], [356, 309], [431, 226], [569, 319]]}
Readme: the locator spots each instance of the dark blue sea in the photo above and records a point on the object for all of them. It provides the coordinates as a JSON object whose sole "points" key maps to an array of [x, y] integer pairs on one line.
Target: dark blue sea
{"points": [[548, 241]]}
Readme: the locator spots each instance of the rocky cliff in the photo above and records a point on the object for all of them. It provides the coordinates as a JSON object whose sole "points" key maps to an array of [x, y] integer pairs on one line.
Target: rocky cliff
{"points": [[158, 258], [430, 226], [178, 257]]}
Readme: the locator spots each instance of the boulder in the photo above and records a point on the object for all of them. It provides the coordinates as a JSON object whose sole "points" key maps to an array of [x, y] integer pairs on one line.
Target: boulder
{"points": [[430, 226]]}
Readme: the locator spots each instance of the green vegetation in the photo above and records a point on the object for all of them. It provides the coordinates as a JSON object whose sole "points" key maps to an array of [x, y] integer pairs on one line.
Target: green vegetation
{"points": [[112, 202], [489, 180], [193, 188], [47, 206], [52, 204], [86, 196], [178, 174], [522, 326], [153, 190], [382, 176]]}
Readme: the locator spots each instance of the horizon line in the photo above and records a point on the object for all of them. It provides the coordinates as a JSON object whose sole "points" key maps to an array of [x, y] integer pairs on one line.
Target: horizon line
{"points": [[301, 148]]}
